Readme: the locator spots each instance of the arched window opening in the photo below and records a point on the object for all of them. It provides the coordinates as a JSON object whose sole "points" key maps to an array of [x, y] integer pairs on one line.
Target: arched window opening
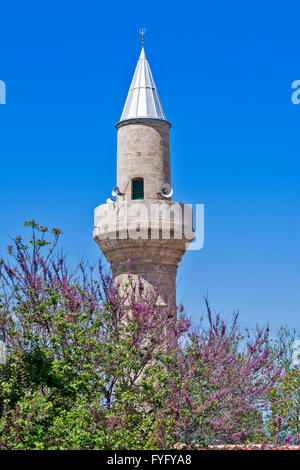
{"points": [[138, 188]]}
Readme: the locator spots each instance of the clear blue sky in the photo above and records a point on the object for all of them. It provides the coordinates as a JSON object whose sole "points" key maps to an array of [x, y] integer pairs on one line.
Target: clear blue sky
{"points": [[224, 72]]}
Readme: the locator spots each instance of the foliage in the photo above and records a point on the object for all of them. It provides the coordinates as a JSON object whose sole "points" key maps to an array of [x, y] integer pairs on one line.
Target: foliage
{"points": [[93, 366], [283, 420]]}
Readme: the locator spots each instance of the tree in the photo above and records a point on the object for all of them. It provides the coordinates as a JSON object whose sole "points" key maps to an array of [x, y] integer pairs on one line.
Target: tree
{"points": [[227, 383], [283, 420], [93, 366]]}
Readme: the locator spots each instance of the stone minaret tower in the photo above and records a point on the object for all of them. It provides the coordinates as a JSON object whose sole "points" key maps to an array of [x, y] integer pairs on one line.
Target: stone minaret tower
{"points": [[142, 231]]}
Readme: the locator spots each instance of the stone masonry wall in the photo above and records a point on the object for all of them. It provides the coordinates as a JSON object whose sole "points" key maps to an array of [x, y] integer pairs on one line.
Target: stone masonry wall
{"points": [[143, 152]]}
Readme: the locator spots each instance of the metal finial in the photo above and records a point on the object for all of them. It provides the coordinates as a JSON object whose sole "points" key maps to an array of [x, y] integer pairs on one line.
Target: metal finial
{"points": [[142, 33]]}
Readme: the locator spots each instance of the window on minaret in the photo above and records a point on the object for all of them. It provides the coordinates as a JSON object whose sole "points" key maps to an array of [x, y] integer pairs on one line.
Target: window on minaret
{"points": [[138, 188]]}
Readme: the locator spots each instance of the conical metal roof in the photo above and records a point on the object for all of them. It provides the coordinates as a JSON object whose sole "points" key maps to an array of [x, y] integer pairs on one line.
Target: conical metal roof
{"points": [[142, 99]]}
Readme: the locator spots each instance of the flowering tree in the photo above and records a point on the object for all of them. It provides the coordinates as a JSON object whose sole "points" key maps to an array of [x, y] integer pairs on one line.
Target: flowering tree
{"points": [[92, 366], [227, 383]]}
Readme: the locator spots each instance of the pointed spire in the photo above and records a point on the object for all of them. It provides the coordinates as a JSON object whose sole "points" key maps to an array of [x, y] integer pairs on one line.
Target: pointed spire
{"points": [[142, 99]]}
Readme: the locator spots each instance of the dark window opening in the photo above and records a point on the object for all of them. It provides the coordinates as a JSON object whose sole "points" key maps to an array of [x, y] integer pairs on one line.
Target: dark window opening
{"points": [[138, 189]]}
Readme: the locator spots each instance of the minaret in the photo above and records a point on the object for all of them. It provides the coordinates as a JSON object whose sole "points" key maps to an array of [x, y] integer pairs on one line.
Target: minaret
{"points": [[143, 232]]}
